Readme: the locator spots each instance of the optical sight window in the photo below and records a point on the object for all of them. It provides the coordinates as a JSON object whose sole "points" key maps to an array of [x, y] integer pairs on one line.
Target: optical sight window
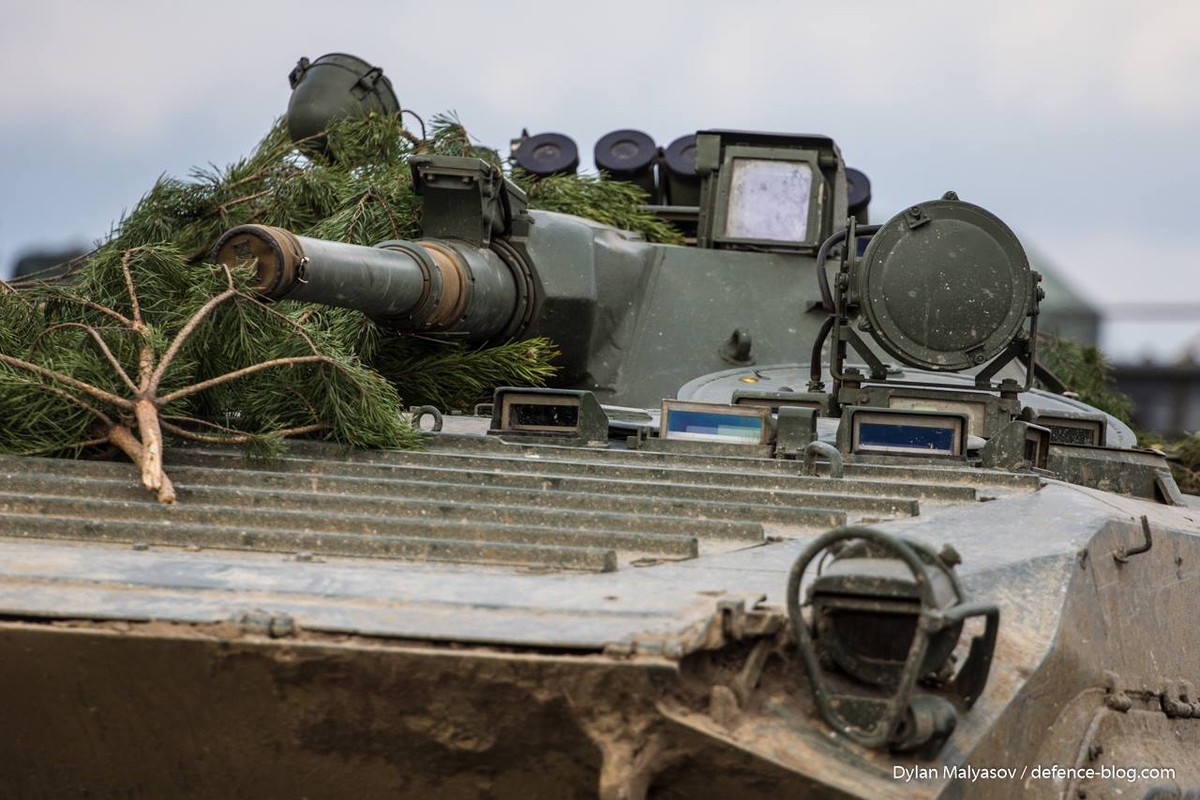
{"points": [[543, 417], [1074, 434], [914, 433], [896, 438], [539, 412], [714, 427], [714, 422], [768, 200]]}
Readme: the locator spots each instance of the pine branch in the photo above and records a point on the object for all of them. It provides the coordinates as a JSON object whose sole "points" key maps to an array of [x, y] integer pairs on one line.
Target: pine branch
{"points": [[101, 345], [194, 331], [67, 380], [235, 437], [187, 330], [243, 372]]}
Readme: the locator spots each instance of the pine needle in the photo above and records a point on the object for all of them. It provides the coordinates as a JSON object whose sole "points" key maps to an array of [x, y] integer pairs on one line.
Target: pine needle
{"points": [[1084, 371], [148, 337]]}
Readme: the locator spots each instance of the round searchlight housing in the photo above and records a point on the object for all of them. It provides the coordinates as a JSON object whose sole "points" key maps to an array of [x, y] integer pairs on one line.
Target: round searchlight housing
{"points": [[944, 285], [335, 86]]}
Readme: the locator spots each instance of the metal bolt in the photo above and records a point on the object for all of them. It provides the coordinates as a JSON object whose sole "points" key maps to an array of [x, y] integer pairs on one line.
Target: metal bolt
{"points": [[979, 359], [281, 626]]}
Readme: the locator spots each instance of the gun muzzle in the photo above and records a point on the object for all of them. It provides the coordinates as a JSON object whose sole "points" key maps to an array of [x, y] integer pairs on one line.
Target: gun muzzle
{"points": [[409, 287]]}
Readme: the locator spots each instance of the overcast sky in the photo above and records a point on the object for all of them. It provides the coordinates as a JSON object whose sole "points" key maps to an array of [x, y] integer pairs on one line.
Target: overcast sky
{"points": [[1078, 123]]}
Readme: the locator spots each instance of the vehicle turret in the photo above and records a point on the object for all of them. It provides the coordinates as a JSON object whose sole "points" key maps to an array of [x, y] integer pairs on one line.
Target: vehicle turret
{"points": [[634, 319]]}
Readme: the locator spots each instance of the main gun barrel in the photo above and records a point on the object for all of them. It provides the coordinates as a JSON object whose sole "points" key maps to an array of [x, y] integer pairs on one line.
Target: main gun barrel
{"points": [[407, 286]]}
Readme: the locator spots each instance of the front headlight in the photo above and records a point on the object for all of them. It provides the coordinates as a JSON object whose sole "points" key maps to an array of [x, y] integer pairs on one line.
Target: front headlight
{"points": [[887, 613]]}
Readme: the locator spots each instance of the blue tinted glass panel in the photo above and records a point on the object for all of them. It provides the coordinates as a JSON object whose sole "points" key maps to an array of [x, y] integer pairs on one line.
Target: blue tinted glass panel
{"points": [[907, 437], [709, 423]]}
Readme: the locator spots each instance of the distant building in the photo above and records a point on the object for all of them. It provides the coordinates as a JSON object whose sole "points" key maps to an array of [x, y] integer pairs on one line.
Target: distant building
{"points": [[1064, 312], [1167, 396], [39, 262], [1167, 393]]}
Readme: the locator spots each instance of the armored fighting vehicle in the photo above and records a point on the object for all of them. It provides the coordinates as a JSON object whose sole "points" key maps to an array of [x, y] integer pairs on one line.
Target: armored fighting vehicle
{"points": [[797, 520]]}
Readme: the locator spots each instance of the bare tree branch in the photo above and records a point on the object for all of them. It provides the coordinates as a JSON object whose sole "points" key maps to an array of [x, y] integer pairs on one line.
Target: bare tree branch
{"points": [[99, 394], [222, 209], [123, 438], [296, 327], [55, 448], [72, 399], [133, 298], [239, 438], [184, 333], [83, 301], [107, 353], [241, 373]]}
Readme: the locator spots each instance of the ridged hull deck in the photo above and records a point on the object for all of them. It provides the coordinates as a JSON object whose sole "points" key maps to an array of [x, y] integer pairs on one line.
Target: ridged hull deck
{"points": [[469, 499]]}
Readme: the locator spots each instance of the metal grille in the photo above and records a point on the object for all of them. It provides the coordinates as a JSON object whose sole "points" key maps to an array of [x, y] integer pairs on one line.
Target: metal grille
{"points": [[466, 500]]}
